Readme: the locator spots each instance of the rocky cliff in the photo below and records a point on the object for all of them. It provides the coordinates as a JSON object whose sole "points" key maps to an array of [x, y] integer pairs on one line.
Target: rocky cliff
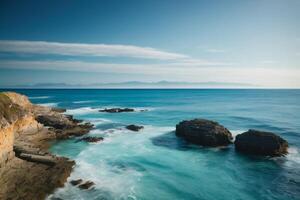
{"points": [[27, 169]]}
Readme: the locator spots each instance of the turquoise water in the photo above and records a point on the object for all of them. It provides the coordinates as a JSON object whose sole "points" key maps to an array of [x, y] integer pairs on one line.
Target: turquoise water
{"points": [[154, 164]]}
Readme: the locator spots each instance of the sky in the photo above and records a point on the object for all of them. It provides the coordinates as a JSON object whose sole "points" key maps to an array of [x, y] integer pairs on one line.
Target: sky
{"points": [[253, 42]]}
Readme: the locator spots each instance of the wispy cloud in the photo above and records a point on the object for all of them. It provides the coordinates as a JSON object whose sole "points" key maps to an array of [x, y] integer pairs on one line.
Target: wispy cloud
{"points": [[82, 49]]}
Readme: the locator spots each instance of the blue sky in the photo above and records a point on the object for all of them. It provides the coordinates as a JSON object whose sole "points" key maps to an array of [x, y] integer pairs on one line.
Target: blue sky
{"points": [[83, 42]]}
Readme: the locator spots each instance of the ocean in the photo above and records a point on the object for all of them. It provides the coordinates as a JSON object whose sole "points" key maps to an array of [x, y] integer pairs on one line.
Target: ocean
{"points": [[154, 164]]}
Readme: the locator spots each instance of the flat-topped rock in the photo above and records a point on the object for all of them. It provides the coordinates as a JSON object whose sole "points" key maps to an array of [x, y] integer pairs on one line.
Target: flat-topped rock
{"points": [[117, 110], [133, 127], [261, 143], [203, 132]]}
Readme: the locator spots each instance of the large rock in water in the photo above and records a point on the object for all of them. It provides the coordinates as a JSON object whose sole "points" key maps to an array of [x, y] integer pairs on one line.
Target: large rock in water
{"points": [[261, 143], [204, 132]]}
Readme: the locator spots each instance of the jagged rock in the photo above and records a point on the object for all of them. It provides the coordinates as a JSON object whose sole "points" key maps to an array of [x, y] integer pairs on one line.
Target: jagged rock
{"points": [[86, 185], [76, 182], [133, 127], [55, 121], [117, 110], [90, 139], [204, 132], [261, 143]]}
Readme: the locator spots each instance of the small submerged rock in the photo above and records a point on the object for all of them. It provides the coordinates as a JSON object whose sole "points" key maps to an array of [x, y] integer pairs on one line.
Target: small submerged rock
{"points": [[133, 127], [261, 143], [204, 132], [90, 139], [86, 185], [76, 182], [117, 110]]}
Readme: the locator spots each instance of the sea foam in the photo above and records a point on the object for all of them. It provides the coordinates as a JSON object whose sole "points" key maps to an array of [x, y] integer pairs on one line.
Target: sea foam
{"points": [[82, 111]]}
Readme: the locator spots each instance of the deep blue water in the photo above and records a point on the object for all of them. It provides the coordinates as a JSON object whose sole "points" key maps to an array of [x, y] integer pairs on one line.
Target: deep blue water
{"points": [[154, 164]]}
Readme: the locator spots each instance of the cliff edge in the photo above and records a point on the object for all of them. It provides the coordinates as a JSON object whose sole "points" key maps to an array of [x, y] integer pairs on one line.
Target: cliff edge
{"points": [[27, 169]]}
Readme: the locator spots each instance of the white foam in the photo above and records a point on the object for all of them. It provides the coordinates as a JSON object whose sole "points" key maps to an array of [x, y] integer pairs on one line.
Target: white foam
{"points": [[82, 111], [94, 162], [40, 97], [48, 104], [235, 133], [293, 156], [98, 121]]}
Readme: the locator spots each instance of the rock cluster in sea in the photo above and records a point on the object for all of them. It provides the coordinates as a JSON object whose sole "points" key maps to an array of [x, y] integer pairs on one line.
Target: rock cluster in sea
{"points": [[209, 133]]}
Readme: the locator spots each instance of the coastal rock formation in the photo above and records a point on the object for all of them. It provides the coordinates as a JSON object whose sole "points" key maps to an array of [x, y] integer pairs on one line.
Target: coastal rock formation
{"points": [[133, 127], [64, 125], [90, 139], [203, 132], [117, 110], [27, 169], [261, 143]]}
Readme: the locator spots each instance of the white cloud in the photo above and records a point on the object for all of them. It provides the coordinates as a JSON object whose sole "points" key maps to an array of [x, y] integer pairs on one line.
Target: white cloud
{"points": [[81, 49]]}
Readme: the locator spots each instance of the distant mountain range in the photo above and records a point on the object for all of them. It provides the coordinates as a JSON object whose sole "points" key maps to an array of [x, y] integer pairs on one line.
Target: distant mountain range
{"points": [[137, 84]]}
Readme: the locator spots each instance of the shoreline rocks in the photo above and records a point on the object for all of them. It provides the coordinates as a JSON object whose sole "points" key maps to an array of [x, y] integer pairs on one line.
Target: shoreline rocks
{"points": [[204, 132], [261, 143], [135, 128], [25, 132]]}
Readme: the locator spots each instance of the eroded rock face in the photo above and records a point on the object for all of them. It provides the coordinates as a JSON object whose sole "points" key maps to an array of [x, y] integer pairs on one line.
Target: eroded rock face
{"points": [[204, 132], [25, 163], [117, 110], [133, 127], [261, 143]]}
